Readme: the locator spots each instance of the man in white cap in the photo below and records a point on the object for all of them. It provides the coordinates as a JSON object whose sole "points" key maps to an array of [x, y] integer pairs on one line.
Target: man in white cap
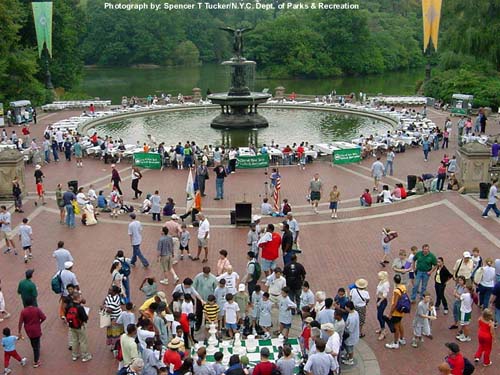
{"points": [[333, 343], [464, 266], [68, 277]]}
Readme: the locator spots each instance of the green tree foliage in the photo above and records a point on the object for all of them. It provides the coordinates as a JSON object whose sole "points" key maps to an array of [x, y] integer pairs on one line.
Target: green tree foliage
{"points": [[18, 64], [186, 54]]}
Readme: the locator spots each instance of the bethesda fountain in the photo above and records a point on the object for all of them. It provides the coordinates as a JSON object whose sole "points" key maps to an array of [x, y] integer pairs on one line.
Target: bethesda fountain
{"points": [[239, 104]]}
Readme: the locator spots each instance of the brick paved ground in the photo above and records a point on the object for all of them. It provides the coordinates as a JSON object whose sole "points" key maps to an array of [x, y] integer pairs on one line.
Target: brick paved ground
{"points": [[335, 252]]}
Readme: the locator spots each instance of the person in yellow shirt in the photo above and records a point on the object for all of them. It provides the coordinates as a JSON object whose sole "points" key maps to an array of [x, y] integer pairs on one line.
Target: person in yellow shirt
{"points": [[395, 317]]}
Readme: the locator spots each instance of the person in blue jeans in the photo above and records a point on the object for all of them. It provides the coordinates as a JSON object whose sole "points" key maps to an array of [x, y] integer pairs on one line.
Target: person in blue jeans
{"points": [[492, 199], [426, 147], [68, 198], [135, 233], [220, 172], [424, 264]]}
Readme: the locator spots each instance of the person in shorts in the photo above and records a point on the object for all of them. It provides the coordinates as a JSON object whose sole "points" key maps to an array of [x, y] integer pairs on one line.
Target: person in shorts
{"points": [[40, 191], [409, 263], [315, 189], [25, 237], [184, 242], [6, 230], [285, 305], [421, 326], [203, 237], [231, 309], [465, 313]]}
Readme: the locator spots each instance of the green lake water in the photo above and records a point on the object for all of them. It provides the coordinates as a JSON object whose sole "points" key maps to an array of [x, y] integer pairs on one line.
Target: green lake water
{"points": [[113, 83]]}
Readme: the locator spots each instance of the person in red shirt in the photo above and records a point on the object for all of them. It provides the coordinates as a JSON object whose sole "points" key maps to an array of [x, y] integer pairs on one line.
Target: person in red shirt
{"points": [[264, 367], [441, 176], [455, 359], [404, 194], [366, 199], [306, 333], [270, 244], [172, 355], [93, 139], [32, 318]]}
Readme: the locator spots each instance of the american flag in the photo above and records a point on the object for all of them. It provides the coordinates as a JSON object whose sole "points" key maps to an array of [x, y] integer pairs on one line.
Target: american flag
{"points": [[276, 195]]}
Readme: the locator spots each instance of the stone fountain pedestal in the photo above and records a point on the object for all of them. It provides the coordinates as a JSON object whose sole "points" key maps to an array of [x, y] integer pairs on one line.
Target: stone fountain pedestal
{"points": [[11, 165]]}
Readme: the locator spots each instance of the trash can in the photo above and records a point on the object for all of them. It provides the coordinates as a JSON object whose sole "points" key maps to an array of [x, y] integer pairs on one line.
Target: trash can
{"points": [[74, 185], [233, 217], [411, 181], [484, 189]]}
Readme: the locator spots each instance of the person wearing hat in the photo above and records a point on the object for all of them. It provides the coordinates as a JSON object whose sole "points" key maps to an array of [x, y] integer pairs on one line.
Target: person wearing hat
{"points": [[172, 356], [27, 289], [455, 359], [360, 297], [464, 266], [115, 178], [332, 343], [252, 239]]}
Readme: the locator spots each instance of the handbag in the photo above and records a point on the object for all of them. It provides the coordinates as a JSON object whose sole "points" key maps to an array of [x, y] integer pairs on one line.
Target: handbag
{"points": [[104, 319], [390, 236]]}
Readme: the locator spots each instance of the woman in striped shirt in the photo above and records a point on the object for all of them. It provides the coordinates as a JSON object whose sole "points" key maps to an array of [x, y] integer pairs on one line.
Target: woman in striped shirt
{"points": [[112, 307]]}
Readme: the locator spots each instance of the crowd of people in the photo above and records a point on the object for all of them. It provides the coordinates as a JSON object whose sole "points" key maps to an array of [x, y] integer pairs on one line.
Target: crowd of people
{"points": [[270, 298]]}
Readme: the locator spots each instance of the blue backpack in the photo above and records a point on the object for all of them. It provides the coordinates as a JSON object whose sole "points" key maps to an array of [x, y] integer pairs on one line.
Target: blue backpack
{"points": [[404, 303], [125, 270]]}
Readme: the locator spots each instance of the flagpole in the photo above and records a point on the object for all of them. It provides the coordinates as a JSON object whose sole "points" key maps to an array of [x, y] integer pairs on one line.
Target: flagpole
{"points": [[48, 76]]}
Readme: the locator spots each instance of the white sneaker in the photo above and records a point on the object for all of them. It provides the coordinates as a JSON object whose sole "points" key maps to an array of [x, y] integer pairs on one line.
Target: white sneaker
{"points": [[402, 341], [87, 358], [164, 282], [23, 361], [392, 345], [7, 371], [464, 338]]}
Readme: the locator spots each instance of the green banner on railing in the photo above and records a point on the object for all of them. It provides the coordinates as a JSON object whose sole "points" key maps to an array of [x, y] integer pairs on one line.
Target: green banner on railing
{"points": [[348, 155], [149, 160], [257, 161]]}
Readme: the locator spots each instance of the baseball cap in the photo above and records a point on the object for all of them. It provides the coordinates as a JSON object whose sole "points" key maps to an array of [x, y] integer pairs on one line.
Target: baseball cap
{"points": [[68, 265], [29, 273], [175, 217], [309, 319], [241, 288], [467, 254], [327, 327]]}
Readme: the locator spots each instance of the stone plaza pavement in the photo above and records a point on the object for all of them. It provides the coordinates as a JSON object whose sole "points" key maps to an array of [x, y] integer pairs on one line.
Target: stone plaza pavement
{"points": [[335, 252]]}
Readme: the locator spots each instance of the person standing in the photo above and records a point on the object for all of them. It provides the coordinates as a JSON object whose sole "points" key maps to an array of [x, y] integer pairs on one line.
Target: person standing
{"points": [[334, 201], [203, 237], [26, 239], [6, 230], [156, 206], [165, 248], [482, 121], [62, 256], [202, 176], [135, 234], [424, 264], [440, 279], [77, 148], [128, 345], [68, 198], [492, 200], [115, 178], [252, 275], [383, 288], [286, 244], [17, 193], [77, 318], [60, 204], [270, 243], [27, 289], [395, 316], [495, 149], [136, 177], [32, 318], [426, 147], [378, 170], [315, 190], [233, 153], [295, 274], [389, 162], [486, 337], [220, 173], [204, 283]]}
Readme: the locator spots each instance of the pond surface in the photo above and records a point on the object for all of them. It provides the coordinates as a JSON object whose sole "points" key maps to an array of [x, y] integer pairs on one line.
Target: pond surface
{"points": [[286, 127], [113, 83]]}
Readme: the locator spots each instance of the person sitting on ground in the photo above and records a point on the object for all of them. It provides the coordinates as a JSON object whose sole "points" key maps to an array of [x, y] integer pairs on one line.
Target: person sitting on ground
{"points": [[453, 183], [146, 205], [169, 208], [266, 208], [285, 207], [419, 186], [366, 199], [396, 193], [404, 193], [102, 203], [385, 195]]}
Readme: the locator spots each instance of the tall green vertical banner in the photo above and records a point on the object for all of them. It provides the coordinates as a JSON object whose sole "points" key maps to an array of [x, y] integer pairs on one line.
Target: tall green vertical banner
{"points": [[42, 14]]}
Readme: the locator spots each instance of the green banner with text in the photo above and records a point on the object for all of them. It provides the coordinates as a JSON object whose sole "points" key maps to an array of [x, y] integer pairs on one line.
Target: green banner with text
{"points": [[257, 161], [149, 160], [348, 155]]}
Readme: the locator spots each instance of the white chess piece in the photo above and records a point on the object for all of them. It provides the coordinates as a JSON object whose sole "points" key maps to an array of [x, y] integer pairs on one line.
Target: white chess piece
{"points": [[237, 340], [251, 343], [212, 340], [281, 339], [225, 352]]}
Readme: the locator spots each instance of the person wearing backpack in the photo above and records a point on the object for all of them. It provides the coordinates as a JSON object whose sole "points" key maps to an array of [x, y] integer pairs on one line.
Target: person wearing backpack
{"points": [[396, 315], [253, 272], [125, 271], [76, 318], [295, 274]]}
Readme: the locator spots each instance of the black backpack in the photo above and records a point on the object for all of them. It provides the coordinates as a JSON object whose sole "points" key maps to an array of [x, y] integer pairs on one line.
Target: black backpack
{"points": [[468, 367]]}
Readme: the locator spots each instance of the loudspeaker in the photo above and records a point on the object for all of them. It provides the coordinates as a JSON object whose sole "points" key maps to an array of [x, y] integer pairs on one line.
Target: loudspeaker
{"points": [[243, 212], [73, 184], [484, 190], [411, 181]]}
